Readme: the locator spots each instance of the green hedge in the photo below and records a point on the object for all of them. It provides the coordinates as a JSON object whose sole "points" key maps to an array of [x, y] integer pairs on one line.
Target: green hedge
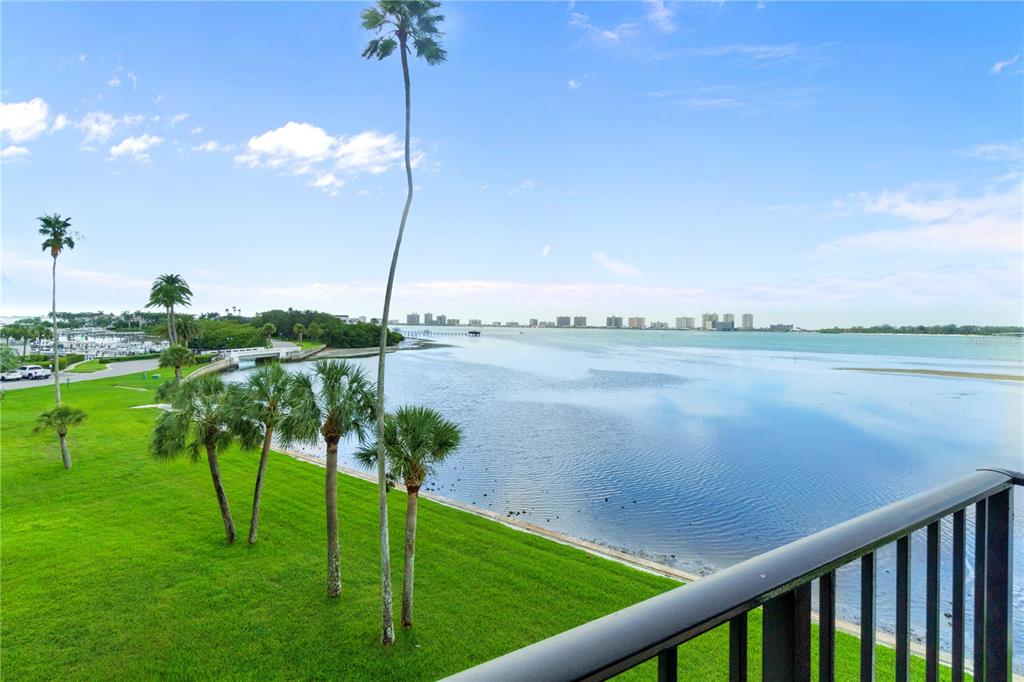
{"points": [[65, 360]]}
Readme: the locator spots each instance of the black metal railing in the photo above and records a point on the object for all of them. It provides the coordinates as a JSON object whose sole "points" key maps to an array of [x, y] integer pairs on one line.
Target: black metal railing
{"points": [[780, 581]]}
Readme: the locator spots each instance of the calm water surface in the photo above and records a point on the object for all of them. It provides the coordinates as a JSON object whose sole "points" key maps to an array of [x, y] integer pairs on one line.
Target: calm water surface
{"points": [[703, 449]]}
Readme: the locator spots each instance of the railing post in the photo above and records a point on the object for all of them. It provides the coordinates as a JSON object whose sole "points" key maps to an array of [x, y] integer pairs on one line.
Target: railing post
{"points": [[786, 637], [903, 609], [867, 617], [980, 525], [738, 648], [998, 593], [668, 664]]}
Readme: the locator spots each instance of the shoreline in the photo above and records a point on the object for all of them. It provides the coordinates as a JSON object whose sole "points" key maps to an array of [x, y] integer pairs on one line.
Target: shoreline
{"points": [[949, 373], [886, 639]]}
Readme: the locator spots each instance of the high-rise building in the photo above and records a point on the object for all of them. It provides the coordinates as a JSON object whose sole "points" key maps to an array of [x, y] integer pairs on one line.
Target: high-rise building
{"points": [[533, 321], [563, 320], [512, 324], [747, 321], [659, 325], [442, 320], [708, 320], [454, 322], [725, 326], [496, 323], [684, 323], [614, 322], [412, 318], [637, 322], [475, 323], [729, 317], [428, 318], [781, 328], [579, 321]]}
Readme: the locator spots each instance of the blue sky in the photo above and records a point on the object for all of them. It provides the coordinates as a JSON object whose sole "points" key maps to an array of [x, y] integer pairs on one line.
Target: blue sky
{"points": [[813, 163]]}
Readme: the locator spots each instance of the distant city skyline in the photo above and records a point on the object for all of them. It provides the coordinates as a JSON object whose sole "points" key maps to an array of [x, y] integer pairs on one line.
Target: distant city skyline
{"points": [[656, 160]]}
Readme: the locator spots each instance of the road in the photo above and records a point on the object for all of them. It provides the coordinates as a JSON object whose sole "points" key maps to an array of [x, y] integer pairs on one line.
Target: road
{"points": [[114, 369]]}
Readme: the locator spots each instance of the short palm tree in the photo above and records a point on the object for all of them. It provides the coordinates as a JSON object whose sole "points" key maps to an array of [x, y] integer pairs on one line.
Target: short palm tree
{"points": [[334, 403], [261, 406], [58, 234], [416, 439], [176, 356], [299, 329], [268, 331], [199, 420], [59, 419], [186, 328], [315, 330], [405, 25], [170, 290]]}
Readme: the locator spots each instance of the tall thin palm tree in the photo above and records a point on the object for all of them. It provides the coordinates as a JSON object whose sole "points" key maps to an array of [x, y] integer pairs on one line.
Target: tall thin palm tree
{"points": [[299, 329], [59, 419], [257, 413], [168, 291], [268, 330], [416, 439], [401, 24], [199, 419], [58, 236], [334, 403]]}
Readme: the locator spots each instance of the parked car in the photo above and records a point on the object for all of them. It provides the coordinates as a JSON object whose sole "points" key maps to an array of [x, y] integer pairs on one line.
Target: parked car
{"points": [[10, 375], [34, 372]]}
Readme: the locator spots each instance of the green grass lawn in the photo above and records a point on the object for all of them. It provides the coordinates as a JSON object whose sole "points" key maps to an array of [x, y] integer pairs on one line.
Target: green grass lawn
{"points": [[308, 343], [118, 568], [87, 367]]}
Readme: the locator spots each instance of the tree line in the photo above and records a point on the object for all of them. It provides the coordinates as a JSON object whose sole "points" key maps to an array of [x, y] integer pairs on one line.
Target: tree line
{"points": [[967, 329]]}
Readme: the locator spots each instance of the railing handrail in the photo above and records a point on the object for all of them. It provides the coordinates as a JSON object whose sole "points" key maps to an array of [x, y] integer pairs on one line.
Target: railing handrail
{"points": [[621, 640]]}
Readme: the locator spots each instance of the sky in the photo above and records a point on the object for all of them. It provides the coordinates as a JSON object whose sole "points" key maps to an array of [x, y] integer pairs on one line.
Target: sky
{"points": [[814, 163]]}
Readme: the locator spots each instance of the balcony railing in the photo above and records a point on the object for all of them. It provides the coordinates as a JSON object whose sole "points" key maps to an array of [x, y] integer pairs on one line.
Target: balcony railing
{"points": [[780, 581]]}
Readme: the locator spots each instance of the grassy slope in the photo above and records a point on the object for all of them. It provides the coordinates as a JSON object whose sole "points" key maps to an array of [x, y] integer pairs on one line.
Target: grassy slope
{"points": [[87, 367], [118, 568]]}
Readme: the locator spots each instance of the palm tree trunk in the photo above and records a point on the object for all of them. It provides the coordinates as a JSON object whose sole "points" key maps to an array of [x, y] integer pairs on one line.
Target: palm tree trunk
{"points": [[173, 327], [331, 495], [412, 502], [222, 499], [177, 373], [65, 455], [56, 351], [254, 523], [388, 629]]}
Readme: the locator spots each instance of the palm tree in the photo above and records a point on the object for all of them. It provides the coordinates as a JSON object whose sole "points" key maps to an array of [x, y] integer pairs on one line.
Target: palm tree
{"points": [[59, 419], [59, 236], [186, 328], [340, 406], [268, 331], [175, 356], [199, 419], [299, 329], [416, 439], [315, 330], [168, 291], [260, 409], [398, 23]]}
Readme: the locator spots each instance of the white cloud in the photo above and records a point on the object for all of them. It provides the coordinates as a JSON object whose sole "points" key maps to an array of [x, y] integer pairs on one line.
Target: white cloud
{"points": [[211, 146], [306, 149], [23, 121], [134, 79], [524, 185], [614, 266], [996, 151], [940, 221], [98, 126], [755, 52], [622, 32], [136, 147], [574, 84], [998, 67], [178, 118], [13, 152], [196, 131], [114, 81], [546, 250], [81, 58], [660, 15], [59, 123]]}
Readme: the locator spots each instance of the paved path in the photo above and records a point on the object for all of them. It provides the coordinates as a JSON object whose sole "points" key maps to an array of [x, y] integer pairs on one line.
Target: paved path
{"points": [[114, 369]]}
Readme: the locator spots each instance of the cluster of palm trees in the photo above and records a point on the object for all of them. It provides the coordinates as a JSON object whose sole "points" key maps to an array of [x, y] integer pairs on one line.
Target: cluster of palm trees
{"points": [[333, 403], [27, 332], [201, 418]]}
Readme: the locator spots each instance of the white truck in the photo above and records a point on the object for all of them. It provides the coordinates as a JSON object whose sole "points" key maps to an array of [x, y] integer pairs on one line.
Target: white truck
{"points": [[26, 372]]}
